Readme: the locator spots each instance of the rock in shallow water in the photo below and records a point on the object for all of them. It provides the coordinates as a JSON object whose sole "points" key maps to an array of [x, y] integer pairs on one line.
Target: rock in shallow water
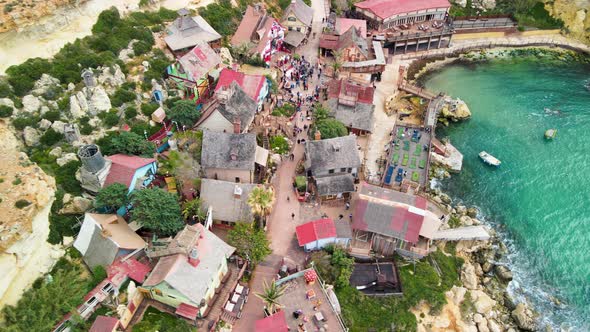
{"points": [[524, 317]]}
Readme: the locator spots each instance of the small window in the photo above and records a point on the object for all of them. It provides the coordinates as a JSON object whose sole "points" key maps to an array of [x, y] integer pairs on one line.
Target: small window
{"points": [[343, 169], [292, 19], [290, 28], [237, 179], [331, 171], [349, 170], [299, 29]]}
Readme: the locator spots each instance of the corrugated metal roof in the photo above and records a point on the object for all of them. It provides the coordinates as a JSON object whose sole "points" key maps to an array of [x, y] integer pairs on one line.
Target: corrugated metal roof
{"points": [[387, 8]]}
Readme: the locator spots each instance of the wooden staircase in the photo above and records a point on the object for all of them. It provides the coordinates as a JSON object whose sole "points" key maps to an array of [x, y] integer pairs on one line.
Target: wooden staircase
{"points": [[265, 142]]}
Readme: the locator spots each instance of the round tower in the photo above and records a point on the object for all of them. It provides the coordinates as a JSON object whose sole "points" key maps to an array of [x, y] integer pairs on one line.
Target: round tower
{"points": [[91, 158]]}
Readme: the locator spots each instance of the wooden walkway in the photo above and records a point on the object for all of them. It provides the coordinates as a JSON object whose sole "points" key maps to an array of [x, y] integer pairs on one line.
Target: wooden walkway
{"points": [[420, 92]]}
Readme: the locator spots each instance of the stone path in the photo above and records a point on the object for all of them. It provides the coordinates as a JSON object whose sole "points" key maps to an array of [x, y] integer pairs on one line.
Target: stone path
{"points": [[281, 226]]}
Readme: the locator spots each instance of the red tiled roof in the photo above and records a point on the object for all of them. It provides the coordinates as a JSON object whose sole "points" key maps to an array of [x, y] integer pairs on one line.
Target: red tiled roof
{"points": [[315, 230], [104, 324], [187, 311], [388, 8], [273, 323], [131, 268], [247, 26], [124, 167], [364, 93], [343, 24], [251, 84]]}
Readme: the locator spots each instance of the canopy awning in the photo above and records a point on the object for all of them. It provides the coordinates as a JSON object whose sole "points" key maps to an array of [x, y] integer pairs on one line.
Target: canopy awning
{"points": [[187, 311]]}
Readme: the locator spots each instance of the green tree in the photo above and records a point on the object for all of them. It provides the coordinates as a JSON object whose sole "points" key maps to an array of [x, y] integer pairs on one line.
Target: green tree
{"points": [[185, 113], [50, 137], [126, 143], [271, 295], [331, 128], [343, 265], [261, 201], [250, 243], [157, 210], [112, 197], [194, 208]]}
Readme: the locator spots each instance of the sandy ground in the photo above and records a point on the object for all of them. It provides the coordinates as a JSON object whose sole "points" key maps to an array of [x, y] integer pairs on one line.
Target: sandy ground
{"points": [[52, 33]]}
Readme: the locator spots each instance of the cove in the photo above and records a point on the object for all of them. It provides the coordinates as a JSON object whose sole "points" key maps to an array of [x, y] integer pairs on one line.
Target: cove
{"points": [[539, 198]]}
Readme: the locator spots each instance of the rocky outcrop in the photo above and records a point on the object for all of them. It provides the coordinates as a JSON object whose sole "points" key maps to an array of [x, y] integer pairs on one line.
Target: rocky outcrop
{"points": [[24, 252], [44, 84], [89, 102], [15, 15], [454, 110], [31, 136], [31, 104], [575, 14], [111, 78], [524, 317]]}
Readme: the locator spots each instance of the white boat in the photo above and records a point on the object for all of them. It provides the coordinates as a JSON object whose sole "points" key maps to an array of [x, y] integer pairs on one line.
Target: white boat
{"points": [[489, 159]]}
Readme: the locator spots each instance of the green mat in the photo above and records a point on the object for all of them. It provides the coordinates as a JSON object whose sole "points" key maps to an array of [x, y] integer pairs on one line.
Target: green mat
{"points": [[405, 160], [422, 163], [415, 176], [413, 163], [406, 146], [400, 132], [417, 150], [396, 147], [395, 158]]}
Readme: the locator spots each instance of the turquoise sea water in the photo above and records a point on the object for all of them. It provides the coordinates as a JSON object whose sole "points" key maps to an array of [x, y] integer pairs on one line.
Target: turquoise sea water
{"points": [[539, 198]]}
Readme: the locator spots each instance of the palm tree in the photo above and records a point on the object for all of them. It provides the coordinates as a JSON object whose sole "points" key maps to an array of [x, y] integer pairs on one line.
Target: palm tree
{"points": [[261, 201], [270, 296], [337, 64], [194, 208]]}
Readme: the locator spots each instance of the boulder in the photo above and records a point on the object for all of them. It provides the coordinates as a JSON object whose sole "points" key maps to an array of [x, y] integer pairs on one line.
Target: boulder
{"points": [[461, 3], [478, 318], [111, 78], [468, 276], [6, 102], [44, 124], [494, 326], [524, 317], [76, 205], [58, 126], [488, 4], [503, 273], [462, 210], [478, 269], [466, 221], [71, 86], [56, 152], [487, 267], [483, 326], [66, 158], [31, 104], [472, 212], [445, 198], [127, 53], [482, 302], [31, 136], [45, 83], [99, 100], [458, 294], [78, 105], [44, 109]]}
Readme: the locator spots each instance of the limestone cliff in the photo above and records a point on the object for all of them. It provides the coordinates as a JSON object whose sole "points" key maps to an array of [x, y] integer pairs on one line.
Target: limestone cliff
{"points": [[15, 14], [575, 14], [26, 194]]}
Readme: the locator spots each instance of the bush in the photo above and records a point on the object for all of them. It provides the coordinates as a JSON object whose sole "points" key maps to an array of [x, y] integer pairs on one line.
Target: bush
{"points": [[158, 64], [286, 109], [51, 116], [5, 90], [184, 112], [22, 77], [65, 177], [127, 143], [222, 16], [148, 109], [330, 128], [5, 111], [22, 203], [23, 121], [51, 137], [130, 113], [279, 144], [141, 48], [111, 119], [141, 128], [122, 96]]}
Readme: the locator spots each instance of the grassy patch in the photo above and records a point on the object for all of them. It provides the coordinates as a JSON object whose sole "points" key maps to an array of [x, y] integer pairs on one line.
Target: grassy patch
{"points": [[538, 17], [423, 283], [154, 320], [284, 110], [279, 144]]}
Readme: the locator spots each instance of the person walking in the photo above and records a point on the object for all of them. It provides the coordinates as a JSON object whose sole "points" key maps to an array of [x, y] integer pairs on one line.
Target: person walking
{"points": [[288, 199], [347, 205], [293, 216]]}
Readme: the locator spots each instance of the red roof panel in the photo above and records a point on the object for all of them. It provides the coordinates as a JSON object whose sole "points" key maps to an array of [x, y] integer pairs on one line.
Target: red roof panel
{"points": [[123, 168], [187, 311], [364, 94], [315, 230], [104, 324], [251, 84], [273, 323], [131, 268], [387, 8]]}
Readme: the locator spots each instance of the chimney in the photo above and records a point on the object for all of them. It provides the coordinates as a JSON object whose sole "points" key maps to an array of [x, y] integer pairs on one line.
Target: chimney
{"points": [[317, 136], [237, 125], [193, 257]]}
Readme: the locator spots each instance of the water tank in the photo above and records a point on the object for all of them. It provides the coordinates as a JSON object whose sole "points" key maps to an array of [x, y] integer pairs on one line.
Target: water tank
{"points": [[91, 158]]}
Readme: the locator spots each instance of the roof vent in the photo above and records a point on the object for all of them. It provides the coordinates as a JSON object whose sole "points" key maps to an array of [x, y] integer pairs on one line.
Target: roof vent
{"points": [[335, 147], [194, 254], [238, 191]]}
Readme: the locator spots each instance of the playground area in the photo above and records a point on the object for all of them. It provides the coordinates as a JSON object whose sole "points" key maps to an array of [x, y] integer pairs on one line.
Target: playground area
{"points": [[407, 156]]}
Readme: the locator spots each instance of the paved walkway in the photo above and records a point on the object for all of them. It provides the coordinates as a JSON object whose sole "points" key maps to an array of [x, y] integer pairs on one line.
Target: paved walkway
{"points": [[281, 226]]}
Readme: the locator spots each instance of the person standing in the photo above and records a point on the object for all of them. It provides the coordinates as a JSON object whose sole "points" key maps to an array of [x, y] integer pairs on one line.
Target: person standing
{"points": [[293, 216]]}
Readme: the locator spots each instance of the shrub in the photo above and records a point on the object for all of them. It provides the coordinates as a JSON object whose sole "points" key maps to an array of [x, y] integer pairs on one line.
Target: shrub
{"points": [[279, 144], [184, 112], [5, 90], [165, 219], [286, 109], [111, 119], [98, 274], [148, 109], [22, 77], [141, 48], [158, 64], [130, 113], [86, 129], [127, 143], [330, 128], [65, 177], [51, 137], [5, 111], [141, 128], [23, 121], [51, 116], [122, 96], [222, 16], [22, 203]]}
